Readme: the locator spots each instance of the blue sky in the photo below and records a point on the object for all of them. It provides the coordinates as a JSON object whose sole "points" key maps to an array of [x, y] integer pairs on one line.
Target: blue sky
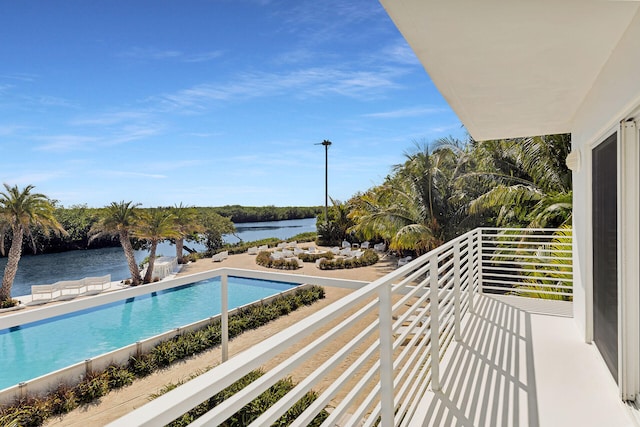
{"points": [[208, 102]]}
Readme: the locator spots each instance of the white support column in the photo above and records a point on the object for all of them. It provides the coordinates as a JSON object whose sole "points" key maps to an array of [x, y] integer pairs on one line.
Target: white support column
{"points": [[479, 259], [471, 268], [456, 291], [628, 260], [386, 356], [435, 323], [224, 316]]}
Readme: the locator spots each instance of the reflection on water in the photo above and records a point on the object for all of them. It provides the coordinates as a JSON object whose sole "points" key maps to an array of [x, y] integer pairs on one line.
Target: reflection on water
{"points": [[50, 268]]}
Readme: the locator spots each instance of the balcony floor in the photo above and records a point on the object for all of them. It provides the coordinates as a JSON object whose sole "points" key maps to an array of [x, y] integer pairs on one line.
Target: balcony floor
{"points": [[521, 362]]}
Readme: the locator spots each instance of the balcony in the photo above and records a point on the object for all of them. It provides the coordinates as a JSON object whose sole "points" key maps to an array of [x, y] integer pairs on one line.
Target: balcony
{"points": [[449, 339]]}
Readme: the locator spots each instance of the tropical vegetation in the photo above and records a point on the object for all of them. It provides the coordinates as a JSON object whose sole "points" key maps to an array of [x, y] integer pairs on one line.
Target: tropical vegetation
{"points": [[448, 187], [154, 226], [21, 212], [120, 219]]}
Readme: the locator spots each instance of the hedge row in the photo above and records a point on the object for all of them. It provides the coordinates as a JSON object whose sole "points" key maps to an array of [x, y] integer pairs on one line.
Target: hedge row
{"points": [[256, 407], [33, 411], [369, 257], [264, 259], [241, 247], [314, 257]]}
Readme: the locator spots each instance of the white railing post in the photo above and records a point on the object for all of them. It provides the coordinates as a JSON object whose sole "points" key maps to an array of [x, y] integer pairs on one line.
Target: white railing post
{"points": [[386, 355], [435, 322], [224, 316], [456, 291], [480, 237], [471, 267]]}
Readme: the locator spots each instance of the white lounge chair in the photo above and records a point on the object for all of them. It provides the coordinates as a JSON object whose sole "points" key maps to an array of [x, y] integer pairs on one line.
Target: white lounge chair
{"points": [[253, 250], [345, 252], [364, 245], [404, 261], [41, 294], [346, 244], [220, 256], [335, 250], [263, 248], [380, 247], [287, 253], [95, 285]]}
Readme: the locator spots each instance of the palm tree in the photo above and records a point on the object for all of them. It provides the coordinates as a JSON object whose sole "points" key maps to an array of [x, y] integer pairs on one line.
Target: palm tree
{"points": [[154, 226], [416, 208], [526, 180], [20, 212], [120, 218], [186, 223]]}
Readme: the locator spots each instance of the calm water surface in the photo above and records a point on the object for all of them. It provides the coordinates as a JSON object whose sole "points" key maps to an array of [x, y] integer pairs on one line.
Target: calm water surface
{"points": [[50, 268]]}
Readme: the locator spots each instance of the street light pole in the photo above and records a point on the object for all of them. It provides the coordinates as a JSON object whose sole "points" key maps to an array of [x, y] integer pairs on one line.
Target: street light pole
{"points": [[326, 144]]}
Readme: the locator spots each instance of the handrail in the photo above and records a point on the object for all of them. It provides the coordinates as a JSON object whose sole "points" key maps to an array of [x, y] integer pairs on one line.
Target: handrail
{"points": [[394, 332]]}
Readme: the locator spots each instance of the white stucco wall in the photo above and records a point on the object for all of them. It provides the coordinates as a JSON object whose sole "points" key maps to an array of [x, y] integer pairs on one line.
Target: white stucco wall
{"points": [[613, 97]]}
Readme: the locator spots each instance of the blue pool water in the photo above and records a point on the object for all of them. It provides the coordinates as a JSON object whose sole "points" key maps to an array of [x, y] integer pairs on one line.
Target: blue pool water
{"points": [[31, 350]]}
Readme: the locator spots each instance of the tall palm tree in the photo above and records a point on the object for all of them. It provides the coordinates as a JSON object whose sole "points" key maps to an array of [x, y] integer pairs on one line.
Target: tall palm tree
{"points": [[154, 226], [526, 180], [20, 212], [415, 209], [186, 223], [120, 218]]}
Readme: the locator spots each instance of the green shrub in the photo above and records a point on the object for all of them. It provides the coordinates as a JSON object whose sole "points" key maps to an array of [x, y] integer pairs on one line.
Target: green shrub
{"points": [[62, 400], [264, 259], [93, 387], [9, 303], [118, 376], [314, 257], [369, 257], [253, 409], [27, 413]]}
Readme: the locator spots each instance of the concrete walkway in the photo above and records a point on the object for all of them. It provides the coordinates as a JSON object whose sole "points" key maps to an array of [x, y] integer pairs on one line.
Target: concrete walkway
{"points": [[520, 362]]}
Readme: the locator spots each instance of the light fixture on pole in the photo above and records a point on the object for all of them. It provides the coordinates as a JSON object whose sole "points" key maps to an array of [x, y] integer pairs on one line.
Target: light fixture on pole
{"points": [[326, 144]]}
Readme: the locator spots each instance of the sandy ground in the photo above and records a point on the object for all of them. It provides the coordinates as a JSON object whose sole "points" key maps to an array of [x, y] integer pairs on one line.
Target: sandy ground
{"points": [[120, 402]]}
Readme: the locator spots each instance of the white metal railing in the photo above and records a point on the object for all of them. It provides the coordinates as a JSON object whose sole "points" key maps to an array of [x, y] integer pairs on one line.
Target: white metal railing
{"points": [[392, 333], [528, 262]]}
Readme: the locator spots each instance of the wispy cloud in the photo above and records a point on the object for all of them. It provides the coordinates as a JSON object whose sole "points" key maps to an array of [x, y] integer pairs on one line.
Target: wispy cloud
{"points": [[24, 77], [30, 178], [71, 142], [300, 83], [67, 142], [400, 53], [407, 112], [108, 119], [125, 174], [6, 130], [153, 54]]}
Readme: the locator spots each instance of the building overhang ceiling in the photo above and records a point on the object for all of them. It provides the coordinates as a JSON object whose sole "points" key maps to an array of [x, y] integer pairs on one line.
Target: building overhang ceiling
{"points": [[513, 68]]}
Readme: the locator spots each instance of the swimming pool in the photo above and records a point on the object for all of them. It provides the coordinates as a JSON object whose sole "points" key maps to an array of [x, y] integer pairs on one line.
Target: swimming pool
{"points": [[34, 349]]}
